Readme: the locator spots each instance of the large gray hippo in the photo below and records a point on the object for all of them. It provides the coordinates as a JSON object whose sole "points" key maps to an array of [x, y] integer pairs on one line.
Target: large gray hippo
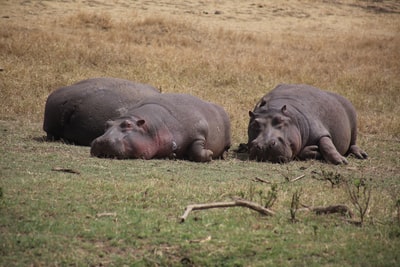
{"points": [[78, 113], [167, 125], [303, 122]]}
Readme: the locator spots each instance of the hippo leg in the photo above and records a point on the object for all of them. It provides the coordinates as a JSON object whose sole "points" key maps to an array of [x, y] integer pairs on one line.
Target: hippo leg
{"points": [[329, 151], [358, 152], [51, 137], [197, 152], [310, 152]]}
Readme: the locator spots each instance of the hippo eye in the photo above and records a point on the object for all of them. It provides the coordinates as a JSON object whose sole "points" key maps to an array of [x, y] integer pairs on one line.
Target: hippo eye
{"points": [[277, 121], [126, 124], [255, 125], [108, 124]]}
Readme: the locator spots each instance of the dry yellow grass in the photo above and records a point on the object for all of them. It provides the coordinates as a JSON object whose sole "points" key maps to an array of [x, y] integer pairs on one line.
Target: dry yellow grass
{"points": [[228, 52]]}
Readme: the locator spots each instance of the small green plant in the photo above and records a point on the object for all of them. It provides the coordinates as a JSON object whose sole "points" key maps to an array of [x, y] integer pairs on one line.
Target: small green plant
{"points": [[334, 178], [294, 205], [398, 210], [271, 196], [265, 198], [360, 195], [394, 192]]}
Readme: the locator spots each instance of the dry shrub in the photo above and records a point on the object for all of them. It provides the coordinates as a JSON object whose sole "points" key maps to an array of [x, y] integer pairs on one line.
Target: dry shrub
{"points": [[82, 19]]}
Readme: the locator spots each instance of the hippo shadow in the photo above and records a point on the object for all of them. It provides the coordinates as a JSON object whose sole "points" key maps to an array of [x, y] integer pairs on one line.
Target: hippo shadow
{"points": [[40, 139], [45, 139], [241, 152]]}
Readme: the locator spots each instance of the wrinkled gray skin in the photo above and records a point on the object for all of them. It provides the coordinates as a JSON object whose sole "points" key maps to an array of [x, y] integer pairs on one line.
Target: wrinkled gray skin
{"points": [[303, 122], [167, 125], [78, 113]]}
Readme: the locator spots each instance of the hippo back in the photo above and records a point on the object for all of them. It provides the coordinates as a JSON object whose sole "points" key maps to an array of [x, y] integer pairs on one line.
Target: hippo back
{"points": [[77, 113]]}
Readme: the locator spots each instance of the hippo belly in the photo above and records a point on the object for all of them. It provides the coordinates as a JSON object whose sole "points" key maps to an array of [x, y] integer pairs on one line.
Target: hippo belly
{"points": [[78, 113], [167, 125], [303, 122]]}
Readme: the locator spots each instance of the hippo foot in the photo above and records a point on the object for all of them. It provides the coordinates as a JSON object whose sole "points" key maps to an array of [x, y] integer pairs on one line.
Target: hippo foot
{"points": [[199, 153], [330, 153], [52, 138], [338, 160], [203, 156], [358, 152], [310, 152]]}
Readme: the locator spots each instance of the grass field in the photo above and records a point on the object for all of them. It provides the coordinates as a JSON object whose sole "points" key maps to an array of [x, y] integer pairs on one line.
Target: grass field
{"points": [[59, 206]]}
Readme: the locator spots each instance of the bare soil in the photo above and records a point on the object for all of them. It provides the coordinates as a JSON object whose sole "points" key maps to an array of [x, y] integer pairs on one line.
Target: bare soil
{"points": [[270, 17]]}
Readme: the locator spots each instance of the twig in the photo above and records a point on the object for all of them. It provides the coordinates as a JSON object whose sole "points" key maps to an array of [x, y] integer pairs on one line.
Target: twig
{"points": [[106, 214], [208, 238], [297, 178], [58, 169], [234, 203], [343, 209], [256, 179]]}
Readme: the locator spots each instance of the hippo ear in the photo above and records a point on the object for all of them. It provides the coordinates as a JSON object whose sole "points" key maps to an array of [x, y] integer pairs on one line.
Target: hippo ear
{"points": [[262, 103], [140, 123], [251, 114]]}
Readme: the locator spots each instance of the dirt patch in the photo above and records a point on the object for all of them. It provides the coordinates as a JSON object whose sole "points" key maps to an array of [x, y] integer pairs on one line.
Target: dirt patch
{"points": [[291, 16]]}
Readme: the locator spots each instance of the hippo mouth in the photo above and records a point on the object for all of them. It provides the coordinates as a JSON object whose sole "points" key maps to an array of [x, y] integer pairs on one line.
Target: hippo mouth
{"points": [[110, 156], [123, 148], [263, 155], [106, 149]]}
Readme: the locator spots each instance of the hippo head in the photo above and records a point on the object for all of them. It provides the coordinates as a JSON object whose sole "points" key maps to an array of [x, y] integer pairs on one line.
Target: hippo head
{"points": [[126, 137], [273, 136]]}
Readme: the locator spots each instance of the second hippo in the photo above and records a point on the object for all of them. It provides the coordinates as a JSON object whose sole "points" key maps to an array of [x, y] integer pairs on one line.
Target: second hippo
{"points": [[167, 125], [303, 122]]}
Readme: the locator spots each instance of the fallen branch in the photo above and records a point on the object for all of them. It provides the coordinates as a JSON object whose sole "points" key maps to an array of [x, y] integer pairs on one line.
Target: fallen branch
{"points": [[208, 238], [342, 209], [58, 169], [297, 178], [234, 203], [256, 179]]}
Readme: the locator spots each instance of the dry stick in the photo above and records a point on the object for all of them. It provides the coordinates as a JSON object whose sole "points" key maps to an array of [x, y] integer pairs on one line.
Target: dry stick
{"points": [[58, 169], [234, 203], [297, 178], [106, 214], [257, 179]]}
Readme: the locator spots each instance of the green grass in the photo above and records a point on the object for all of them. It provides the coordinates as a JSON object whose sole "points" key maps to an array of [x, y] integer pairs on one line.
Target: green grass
{"points": [[55, 218], [52, 217]]}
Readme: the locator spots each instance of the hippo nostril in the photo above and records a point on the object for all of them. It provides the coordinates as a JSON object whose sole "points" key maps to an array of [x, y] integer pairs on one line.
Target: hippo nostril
{"points": [[254, 145], [272, 143]]}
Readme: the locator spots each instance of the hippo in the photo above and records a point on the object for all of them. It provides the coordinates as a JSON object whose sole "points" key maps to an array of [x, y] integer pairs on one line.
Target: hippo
{"points": [[78, 113], [167, 125], [303, 122]]}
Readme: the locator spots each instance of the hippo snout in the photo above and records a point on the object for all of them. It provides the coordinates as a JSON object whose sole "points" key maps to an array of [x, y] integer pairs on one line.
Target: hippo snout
{"points": [[106, 148], [271, 150]]}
